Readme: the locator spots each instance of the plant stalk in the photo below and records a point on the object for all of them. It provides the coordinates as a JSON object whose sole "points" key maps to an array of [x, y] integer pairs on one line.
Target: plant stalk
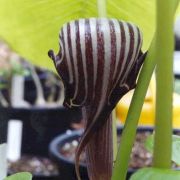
{"points": [[129, 131], [101, 5], [114, 131], [164, 82]]}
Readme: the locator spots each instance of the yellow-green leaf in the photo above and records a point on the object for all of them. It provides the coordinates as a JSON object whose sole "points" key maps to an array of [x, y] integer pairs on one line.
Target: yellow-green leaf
{"points": [[32, 26]]}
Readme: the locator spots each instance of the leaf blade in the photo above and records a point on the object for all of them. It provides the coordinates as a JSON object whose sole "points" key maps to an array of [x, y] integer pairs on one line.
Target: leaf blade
{"points": [[20, 176], [155, 174]]}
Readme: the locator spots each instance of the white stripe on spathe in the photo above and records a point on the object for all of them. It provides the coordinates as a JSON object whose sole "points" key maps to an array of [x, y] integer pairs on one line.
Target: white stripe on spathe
{"points": [[82, 44], [74, 55], [127, 39], [121, 51], [62, 50], [105, 28], [131, 62], [118, 44], [93, 25]]}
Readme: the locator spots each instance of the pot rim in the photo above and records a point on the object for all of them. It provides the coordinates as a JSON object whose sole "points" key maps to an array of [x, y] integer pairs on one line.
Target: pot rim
{"points": [[60, 140]]}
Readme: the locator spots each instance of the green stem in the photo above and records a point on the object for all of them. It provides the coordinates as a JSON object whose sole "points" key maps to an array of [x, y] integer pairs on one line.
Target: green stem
{"points": [[164, 77], [101, 4], [175, 4], [129, 131], [114, 129]]}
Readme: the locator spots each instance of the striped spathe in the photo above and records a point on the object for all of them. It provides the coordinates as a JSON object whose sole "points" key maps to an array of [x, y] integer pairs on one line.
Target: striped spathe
{"points": [[98, 61]]}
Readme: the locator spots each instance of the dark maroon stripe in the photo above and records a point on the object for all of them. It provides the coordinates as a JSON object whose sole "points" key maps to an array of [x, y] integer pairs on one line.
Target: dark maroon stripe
{"points": [[113, 54], [100, 65], [89, 60], [138, 45], [63, 71], [100, 70], [122, 51], [81, 86], [72, 89], [131, 48]]}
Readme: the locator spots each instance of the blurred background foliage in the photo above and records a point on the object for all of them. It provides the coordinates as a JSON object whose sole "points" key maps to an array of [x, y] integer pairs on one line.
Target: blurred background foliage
{"points": [[31, 27]]}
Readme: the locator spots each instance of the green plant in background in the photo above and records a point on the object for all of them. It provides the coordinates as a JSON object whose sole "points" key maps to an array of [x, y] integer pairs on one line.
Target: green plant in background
{"points": [[24, 38], [16, 68], [6, 76], [149, 144]]}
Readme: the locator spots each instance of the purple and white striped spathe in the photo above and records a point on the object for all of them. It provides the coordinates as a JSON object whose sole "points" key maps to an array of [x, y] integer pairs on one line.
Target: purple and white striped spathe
{"points": [[98, 61], [98, 47]]}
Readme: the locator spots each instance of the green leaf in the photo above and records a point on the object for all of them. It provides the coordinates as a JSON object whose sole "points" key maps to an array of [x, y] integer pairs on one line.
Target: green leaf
{"points": [[2, 85], [18, 69], [175, 147], [156, 174], [149, 143], [20, 176], [32, 27]]}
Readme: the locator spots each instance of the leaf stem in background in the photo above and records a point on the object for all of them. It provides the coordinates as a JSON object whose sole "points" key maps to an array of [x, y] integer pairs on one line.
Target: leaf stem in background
{"points": [[101, 5], [129, 131], [114, 130], [164, 82]]}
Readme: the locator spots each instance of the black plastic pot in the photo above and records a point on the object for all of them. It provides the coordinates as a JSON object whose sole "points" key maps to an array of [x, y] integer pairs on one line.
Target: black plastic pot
{"points": [[46, 177], [30, 94], [40, 126], [41, 177], [66, 167]]}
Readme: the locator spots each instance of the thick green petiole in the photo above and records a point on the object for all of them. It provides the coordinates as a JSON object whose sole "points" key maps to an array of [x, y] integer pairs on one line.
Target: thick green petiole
{"points": [[114, 130], [101, 4], [129, 131], [164, 77], [128, 136]]}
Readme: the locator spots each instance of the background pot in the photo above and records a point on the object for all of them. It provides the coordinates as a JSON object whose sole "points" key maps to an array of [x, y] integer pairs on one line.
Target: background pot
{"points": [[41, 168], [40, 124], [66, 166]]}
